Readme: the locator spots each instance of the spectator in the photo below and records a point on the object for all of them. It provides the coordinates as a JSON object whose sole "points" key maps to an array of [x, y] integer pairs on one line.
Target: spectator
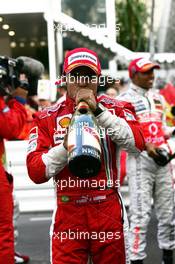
{"points": [[61, 89], [44, 94], [122, 85], [13, 117], [111, 92]]}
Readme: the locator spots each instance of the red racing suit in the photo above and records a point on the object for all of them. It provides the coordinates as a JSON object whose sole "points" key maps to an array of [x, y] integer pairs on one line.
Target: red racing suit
{"points": [[12, 119], [94, 208]]}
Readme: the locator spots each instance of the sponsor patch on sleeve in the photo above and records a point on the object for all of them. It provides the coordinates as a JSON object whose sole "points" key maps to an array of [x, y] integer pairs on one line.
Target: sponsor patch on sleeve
{"points": [[112, 111], [129, 116], [33, 133], [32, 146], [6, 109]]}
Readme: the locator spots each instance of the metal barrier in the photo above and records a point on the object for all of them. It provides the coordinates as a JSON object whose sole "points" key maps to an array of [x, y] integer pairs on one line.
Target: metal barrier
{"points": [[31, 196]]}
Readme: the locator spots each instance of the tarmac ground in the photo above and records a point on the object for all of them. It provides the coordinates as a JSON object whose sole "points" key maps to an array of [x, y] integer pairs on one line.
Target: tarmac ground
{"points": [[34, 238]]}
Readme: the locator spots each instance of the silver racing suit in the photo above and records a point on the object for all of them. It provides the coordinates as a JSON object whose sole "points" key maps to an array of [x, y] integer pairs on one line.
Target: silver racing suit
{"points": [[146, 179]]}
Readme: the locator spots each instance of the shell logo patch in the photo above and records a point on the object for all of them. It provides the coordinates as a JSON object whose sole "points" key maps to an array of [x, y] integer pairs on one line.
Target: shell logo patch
{"points": [[64, 122]]}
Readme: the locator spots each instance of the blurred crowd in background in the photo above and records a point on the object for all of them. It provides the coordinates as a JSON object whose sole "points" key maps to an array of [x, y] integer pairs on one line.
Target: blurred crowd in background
{"points": [[42, 39]]}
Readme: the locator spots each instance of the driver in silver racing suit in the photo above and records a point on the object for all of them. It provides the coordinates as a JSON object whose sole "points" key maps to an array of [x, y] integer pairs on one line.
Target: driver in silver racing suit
{"points": [[148, 180]]}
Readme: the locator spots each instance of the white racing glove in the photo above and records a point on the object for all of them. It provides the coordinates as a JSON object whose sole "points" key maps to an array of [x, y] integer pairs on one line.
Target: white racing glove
{"points": [[55, 160]]}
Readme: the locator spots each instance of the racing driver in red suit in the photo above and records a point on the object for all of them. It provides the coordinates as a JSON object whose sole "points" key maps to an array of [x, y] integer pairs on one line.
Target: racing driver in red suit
{"points": [[89, 219], [12, 118]]}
